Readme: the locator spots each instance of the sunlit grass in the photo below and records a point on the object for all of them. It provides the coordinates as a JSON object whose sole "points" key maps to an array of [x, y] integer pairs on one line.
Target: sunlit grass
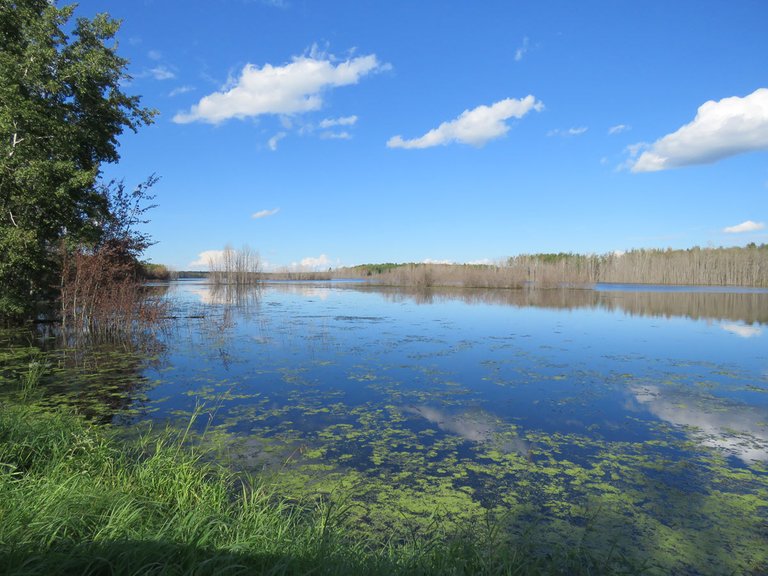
{"points": [[75, 499]]}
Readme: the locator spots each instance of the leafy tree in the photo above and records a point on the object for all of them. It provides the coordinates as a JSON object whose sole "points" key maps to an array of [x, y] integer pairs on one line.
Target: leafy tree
{"points": [[61, 111]]}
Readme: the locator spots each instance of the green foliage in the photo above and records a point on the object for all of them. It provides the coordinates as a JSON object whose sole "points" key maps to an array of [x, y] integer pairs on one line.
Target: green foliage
{"points": [[61, 112], [74, 499], [152, 271], [371, 269]]}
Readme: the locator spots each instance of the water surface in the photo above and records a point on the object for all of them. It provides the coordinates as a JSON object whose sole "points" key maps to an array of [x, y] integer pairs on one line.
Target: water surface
{"points": [[626, 420]]}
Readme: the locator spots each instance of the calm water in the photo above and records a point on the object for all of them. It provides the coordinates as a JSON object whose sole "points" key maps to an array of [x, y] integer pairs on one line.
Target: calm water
{"points": [[624, 419]]}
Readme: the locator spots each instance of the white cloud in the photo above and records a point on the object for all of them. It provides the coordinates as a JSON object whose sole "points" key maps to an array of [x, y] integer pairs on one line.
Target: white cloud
{"points": [[720, 129], [344, 121], [272, 142], [180, 90], [293, 88], [618, 129], [570, 132], [747, 226], [162, 73], [344, 135], [520, 52], [206, 257], [475, 127], [321, 261], [481, 262], [265, 213], [431, 261], [155, 55]]}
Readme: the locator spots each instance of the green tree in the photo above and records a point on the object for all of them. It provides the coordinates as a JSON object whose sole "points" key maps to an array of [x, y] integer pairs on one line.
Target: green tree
{"points": [[61, 111]]}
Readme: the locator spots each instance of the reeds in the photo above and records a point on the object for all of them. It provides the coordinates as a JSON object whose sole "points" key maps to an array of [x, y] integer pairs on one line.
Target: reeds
{"points": [[102, 293], [235, 267]]}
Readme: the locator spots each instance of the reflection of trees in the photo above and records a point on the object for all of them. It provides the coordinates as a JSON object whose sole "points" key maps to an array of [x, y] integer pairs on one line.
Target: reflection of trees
{"points": [[243, 296], [748, 307], [208, 323], [99, 374], [734, 428], [308, 289]]}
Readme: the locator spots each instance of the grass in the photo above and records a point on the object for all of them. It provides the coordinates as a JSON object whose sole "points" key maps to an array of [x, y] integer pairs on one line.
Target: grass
{"points": [[77, 499]]}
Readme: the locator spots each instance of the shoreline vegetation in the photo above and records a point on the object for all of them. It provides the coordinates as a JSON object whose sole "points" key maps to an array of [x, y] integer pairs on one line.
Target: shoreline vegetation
{"points": [[77, 498], [82, 497], [738, 266]]}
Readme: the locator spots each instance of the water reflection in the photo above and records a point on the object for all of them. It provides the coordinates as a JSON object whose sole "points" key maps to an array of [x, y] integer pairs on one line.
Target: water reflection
{"points": [[509, 400], [745, 307], [736, 429], [742, 330], [478, 426], [244, 297]]}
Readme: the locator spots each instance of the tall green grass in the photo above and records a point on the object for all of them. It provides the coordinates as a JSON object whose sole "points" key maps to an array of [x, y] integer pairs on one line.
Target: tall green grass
{"points": [[76, 499]]}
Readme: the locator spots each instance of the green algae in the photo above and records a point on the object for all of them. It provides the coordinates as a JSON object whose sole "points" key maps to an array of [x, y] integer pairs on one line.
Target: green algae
{"points": [[421, 449]]}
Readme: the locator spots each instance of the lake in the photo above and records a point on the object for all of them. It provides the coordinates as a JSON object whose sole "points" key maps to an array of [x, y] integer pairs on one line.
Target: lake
{"points": [[626, 420]]}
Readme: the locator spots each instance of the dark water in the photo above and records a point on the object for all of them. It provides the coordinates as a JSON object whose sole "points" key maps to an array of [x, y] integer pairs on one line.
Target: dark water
{"points": [[624, 419]]}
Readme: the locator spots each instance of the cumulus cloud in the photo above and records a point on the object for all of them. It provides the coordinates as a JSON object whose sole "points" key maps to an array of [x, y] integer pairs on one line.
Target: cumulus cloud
{"points": [[206, 257], [481, 262], [720, 129], [475, 127], [272, 142], [618, 129], [310, 262], [344, 121], [747, 226], [265, 213], [292, 88]]}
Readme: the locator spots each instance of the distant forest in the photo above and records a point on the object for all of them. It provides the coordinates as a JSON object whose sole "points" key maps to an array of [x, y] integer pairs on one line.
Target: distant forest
{"points": [[744, 266]]}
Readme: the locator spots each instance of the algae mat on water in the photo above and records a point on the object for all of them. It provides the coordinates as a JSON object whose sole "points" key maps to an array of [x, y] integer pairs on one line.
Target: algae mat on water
{"points": [[637, 441]]}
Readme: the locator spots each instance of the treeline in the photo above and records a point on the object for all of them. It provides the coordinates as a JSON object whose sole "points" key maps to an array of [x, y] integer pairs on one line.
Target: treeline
{"points": [[151, 271], [747, 266]]}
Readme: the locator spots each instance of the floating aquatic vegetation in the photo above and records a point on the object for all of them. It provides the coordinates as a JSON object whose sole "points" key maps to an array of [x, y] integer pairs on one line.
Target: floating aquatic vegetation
{"points": [[585, 428]]}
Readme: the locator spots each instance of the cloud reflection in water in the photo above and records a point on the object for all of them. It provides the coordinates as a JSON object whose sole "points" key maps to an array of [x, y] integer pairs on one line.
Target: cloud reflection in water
{"points": [[736, 429]]}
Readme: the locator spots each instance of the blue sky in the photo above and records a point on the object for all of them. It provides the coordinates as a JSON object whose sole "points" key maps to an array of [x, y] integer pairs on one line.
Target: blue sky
{"points": [[343, 132]]}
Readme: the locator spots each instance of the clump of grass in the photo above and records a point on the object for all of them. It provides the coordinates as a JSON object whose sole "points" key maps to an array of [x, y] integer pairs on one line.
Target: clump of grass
{"points": [[31, 378], [75, 499]]}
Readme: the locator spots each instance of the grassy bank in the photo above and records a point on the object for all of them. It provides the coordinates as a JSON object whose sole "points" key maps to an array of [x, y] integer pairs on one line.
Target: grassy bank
{"points": [[76, 499]]}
